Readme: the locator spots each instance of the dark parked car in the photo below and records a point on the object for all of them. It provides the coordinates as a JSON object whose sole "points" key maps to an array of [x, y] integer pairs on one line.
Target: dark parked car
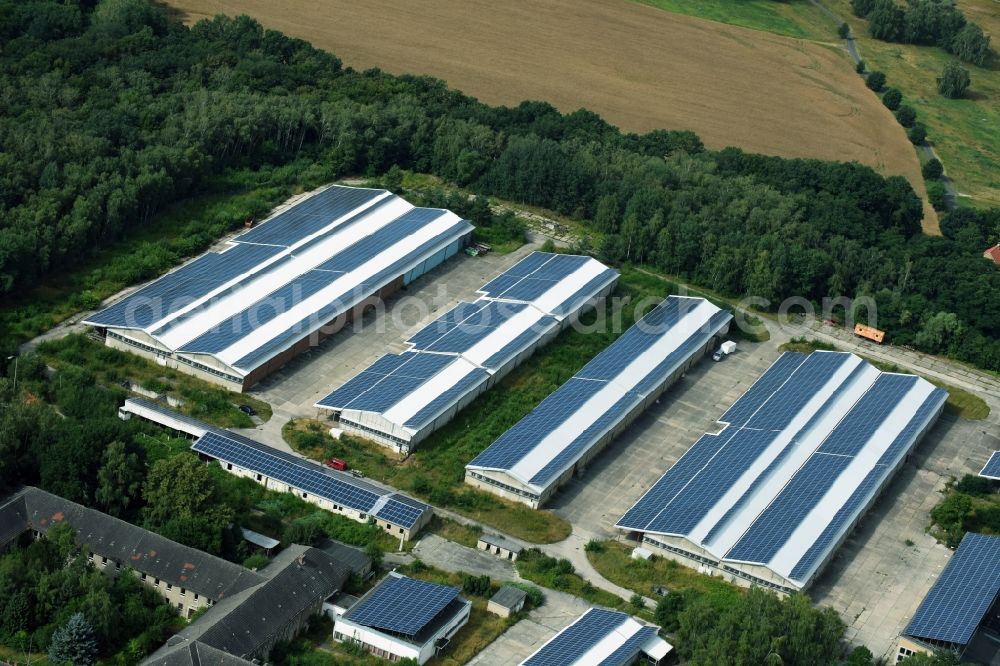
{"points": [[248, 410]]}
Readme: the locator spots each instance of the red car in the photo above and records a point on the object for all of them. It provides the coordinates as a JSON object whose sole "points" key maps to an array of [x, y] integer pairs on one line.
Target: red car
{"points": [[336, 463]]}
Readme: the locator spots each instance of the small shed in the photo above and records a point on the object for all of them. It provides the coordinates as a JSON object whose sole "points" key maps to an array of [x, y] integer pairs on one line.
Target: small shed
{"points": [[508, 601], [500, 546], [259, 541], [338, 604]]}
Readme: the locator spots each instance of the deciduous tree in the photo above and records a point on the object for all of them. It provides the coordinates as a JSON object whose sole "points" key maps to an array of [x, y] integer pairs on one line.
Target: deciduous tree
{"points": [[954, 81]]}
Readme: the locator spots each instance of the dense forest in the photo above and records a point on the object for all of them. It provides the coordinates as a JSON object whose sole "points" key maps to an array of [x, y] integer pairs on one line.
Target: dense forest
{"points": [[111, 113]]}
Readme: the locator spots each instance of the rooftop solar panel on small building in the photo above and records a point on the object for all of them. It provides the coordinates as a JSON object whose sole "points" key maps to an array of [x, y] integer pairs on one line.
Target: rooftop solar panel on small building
{"points": [[962, 595], [402, 605], [627, 652]]}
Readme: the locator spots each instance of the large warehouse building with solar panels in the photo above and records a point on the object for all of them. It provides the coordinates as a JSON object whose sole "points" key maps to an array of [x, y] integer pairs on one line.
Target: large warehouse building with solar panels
{"points": [[402, 398], [962, 611], [802, 455], [529, 462], [232, 317]]}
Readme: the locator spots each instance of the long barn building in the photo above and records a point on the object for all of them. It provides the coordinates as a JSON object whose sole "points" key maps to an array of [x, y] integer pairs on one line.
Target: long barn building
{"points": [[233, 317], [800, 458], [402, 398], [543, 451], [337, 492]]}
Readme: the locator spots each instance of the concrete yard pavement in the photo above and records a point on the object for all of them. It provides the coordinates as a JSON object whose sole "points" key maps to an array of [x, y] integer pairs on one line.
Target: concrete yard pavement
{"points": [[879, 576], [635, 460], [541, 624], [455, 557]]}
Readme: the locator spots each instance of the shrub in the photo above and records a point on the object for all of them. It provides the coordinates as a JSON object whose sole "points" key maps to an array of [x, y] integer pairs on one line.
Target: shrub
{"points": [[936, 194], [668, 610], [917, 134], [954, 81], [976, 486], [876, 81], [843, 30], [594, 546], [535, 595], [860, 68], [479, 586], [971, 45], [637, 602], [860, 656], [906, 115], [892, 99], [256, 561], [932, 169]]}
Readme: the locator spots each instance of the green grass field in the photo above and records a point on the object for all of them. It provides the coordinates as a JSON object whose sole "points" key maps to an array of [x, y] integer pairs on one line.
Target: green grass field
{"points": [[613, 560], [797, 18]]}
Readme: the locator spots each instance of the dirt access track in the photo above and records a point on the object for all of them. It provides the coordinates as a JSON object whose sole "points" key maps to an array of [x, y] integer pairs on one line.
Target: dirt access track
{"points": [[641, 68]]}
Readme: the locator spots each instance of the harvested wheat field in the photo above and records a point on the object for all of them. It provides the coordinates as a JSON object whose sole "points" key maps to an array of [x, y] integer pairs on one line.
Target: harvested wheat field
{"points": [[641, 68]]}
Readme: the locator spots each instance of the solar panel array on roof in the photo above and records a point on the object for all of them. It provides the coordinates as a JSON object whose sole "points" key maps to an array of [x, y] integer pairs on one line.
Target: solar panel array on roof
{"points": [[463, 348], [805, 451], [338, 487], [311, 216], [963, 594], [401, 605], [182, 287], [569, 421], [287, 277], [599, 637], [991, 470]]}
